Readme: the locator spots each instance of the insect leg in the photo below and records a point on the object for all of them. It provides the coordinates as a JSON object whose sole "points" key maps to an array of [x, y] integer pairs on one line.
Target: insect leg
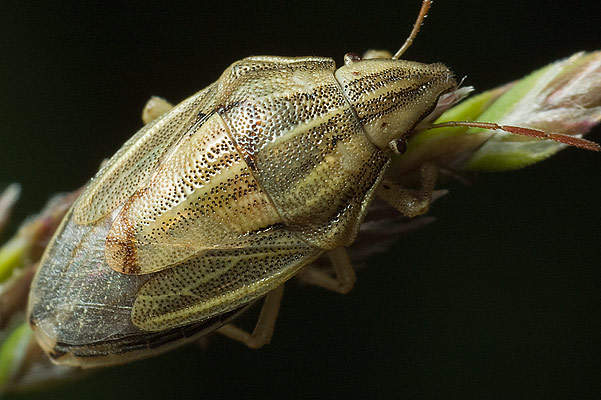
{"points": [[345, 277], [408, 202], [155, 107], [263, 331]]}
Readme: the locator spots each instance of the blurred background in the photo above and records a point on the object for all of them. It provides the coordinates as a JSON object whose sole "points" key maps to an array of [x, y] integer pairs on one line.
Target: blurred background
{"points": [[499, 298]]}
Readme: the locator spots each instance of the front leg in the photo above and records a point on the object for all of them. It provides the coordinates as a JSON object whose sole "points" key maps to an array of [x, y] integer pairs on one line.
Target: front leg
{"points": [[408, 202]]}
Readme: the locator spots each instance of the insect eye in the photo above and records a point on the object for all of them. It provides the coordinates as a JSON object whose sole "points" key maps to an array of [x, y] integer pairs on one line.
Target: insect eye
{"points": [[399, 146]]}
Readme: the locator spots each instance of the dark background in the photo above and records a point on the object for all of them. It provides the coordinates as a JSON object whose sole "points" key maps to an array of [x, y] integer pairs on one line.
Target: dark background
{"points": [[500, 297]]}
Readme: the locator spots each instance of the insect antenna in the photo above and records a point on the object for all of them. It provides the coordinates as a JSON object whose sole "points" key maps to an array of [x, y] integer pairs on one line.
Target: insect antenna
{"points": [[418, 24], [530, 132]]}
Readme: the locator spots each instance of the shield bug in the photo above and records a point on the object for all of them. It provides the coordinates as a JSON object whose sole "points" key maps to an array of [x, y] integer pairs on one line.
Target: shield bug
{"points": [[217, 202]]}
